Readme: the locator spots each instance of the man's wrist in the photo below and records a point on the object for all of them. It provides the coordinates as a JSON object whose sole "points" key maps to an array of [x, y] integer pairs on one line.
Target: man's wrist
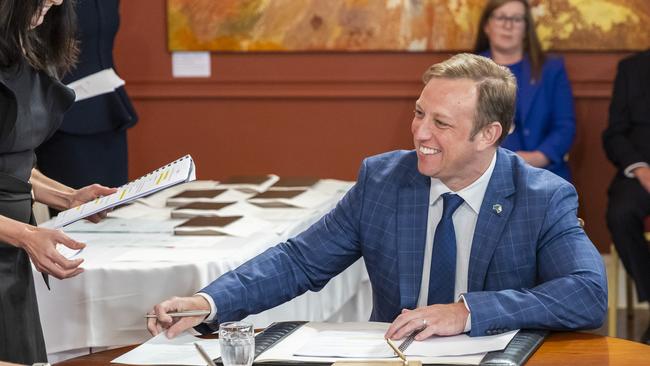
{"points": [[213, 306]]}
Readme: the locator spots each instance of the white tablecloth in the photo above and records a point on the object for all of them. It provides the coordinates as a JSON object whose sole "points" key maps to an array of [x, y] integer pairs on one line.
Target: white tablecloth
{"points": [[105, 305]]}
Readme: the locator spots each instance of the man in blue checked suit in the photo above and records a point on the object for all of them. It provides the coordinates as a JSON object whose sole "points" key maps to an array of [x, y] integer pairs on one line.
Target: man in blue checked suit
{"points": [[458, 235]]}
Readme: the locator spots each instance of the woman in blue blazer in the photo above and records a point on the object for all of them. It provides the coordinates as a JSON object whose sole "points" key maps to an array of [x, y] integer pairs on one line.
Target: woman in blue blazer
{"points": [[544, 127]]}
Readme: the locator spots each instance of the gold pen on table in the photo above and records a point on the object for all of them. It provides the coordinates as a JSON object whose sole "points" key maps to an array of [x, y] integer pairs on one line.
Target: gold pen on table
{"points": [[397, 351], [204, 354], [182, 314]]}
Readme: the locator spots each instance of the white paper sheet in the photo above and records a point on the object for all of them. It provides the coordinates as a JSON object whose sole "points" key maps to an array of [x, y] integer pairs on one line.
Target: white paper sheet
{"points": [[67, 252], [365, 343], [304, 341], [102, 82], [348, 344], [178, 351], [191, 64], [459, 345], [144, 240], [119, 225]]}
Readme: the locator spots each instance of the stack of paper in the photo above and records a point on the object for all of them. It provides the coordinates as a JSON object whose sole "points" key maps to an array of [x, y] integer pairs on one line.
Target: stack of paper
{"points": [[329, 342], [160, 350]]}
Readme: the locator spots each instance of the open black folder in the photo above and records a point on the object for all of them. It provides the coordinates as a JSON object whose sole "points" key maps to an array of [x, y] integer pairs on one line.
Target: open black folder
{"points": [[518, 351]]}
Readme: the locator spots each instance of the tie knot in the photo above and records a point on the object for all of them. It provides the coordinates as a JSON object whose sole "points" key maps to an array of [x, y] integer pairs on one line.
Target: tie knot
{"points": [[450, 203]]}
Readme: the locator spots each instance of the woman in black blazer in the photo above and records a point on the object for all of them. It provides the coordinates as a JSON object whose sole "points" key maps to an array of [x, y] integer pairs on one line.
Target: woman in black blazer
{"points": [[90, 146], [36, 45]]}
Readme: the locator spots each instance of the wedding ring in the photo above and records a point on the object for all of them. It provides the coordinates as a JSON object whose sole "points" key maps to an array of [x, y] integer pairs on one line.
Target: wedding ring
{"points": [[424, 322]]}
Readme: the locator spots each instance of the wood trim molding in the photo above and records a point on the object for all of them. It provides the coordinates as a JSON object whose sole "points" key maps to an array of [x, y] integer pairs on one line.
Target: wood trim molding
{"points": [[310, 90]]}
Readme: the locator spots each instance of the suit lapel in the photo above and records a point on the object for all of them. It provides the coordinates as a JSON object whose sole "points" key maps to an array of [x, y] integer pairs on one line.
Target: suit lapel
{"points": [[412, 214], [527, 91], [494, 214]]}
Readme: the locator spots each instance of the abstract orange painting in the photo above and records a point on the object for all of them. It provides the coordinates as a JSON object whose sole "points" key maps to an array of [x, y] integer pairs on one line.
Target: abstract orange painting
{"points": [[393, 25]]}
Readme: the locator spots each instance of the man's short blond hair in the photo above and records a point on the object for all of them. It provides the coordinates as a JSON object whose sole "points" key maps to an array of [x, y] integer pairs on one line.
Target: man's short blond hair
{"points": [[496, 87]]}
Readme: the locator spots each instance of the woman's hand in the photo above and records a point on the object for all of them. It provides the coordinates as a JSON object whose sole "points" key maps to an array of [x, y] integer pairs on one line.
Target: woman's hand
{"points": [[40, 245], [89, 193]]}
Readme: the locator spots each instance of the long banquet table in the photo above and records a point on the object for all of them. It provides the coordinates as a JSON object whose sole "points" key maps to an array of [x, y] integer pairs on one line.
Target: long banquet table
{"points": [[132, 262]]}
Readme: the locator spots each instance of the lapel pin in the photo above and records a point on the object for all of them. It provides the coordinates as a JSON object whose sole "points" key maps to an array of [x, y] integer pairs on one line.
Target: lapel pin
{"points": [[497, 208]]}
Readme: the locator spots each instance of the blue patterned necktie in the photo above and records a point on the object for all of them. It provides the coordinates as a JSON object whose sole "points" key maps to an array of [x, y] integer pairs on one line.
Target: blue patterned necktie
{"points": [[442, 277]]}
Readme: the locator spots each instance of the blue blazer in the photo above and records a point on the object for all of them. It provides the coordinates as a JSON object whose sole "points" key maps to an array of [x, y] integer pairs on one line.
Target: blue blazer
{"points": [[548, 121], [531, 265]]}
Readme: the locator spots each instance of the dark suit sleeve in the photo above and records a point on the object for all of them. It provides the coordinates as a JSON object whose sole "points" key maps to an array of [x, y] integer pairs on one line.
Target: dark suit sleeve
{"points": [[572, 285], [619, 149], [306, 262], [562, 129]]}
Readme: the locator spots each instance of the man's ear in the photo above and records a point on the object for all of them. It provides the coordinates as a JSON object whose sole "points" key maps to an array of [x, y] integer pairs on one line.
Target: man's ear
{"points": [[490, 134]]}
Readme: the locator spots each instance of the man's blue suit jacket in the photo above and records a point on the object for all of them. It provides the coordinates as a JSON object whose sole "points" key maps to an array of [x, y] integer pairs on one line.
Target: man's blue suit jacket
{"points": [[531, 265]]}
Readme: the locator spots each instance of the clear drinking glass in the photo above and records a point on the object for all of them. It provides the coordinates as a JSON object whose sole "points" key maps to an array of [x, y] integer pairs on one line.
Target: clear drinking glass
{"points": [[237, 343]]}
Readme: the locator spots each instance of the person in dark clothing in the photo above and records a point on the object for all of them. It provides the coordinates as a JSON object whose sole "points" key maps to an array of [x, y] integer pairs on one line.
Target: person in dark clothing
{"points": [[90, 146], [36, 44], [627, 144]]}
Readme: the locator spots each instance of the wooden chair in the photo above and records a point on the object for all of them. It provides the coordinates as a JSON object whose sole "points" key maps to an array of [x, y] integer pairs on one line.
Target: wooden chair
{"points": [[612, 279]]}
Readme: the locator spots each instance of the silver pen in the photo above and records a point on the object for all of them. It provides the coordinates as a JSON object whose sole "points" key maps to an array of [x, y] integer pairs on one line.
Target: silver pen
{"points": [[182, 314], [204, 354]]}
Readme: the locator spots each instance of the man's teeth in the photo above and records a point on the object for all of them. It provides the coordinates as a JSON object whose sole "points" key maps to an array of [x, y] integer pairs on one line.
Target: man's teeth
{"points": [[428, 150]]}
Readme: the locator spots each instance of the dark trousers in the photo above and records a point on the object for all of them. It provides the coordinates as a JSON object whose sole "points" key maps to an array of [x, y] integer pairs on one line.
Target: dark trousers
{"points": [[629, 204]]}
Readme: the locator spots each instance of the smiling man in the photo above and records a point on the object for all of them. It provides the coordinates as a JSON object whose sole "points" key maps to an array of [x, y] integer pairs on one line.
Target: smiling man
{"points": [[457, 236]]}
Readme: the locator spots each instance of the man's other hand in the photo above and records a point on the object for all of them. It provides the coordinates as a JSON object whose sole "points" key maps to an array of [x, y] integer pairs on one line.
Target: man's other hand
{"points": [[443, 320]]}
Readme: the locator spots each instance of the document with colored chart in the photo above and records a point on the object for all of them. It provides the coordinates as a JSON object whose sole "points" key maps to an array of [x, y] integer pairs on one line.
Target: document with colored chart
{"points": [[179, 171]]}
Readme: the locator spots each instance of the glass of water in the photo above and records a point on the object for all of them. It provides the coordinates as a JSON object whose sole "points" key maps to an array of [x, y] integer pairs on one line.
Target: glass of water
{"points": [[237, 343]]}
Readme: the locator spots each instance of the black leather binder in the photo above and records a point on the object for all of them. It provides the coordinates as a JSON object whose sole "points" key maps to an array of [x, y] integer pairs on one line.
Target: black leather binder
{"points": [[518, 351]]}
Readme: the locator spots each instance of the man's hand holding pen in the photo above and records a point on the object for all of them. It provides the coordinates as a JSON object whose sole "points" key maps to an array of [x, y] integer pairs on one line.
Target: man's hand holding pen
{"points": [[164, 318]]}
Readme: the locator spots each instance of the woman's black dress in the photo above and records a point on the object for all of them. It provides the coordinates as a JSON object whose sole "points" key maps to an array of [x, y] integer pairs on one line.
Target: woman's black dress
{"points": [[31, 109]]}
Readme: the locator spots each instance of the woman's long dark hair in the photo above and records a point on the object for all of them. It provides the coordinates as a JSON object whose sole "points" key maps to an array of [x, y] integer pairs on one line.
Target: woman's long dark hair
{"points": [[50, 47], [532, 46]]}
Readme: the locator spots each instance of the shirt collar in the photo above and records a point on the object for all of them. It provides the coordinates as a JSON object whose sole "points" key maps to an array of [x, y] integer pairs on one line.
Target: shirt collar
{"points": [[472, 194]]}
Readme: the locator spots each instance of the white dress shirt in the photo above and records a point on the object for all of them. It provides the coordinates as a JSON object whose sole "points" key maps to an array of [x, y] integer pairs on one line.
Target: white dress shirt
{"points": [[628, 171], [464, 219]]}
